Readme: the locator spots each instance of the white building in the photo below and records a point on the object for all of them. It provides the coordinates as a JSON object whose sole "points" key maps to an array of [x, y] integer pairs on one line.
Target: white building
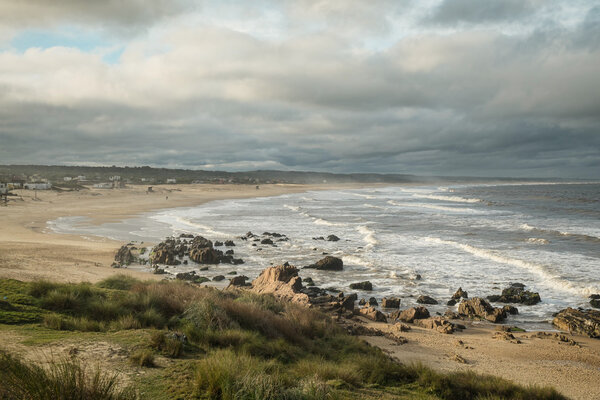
{"points": [[38, 186], [103, 185], [3, 188], [81, 178], [67, 179], [171, 180], [114, 178]]}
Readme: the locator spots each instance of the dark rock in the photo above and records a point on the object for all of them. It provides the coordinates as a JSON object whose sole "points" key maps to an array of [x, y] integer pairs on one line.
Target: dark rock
{"points": [[308, 281], [366, 285], [439, 324], [238, 281], [229, 243], [159, 271], [460, 294], [124, 256], [347, 302], [418, 277], [205, 255], [426, 300], [218, 244], [583, 322], [229, 252], [372, 302], [232, 273], [392, 302], [237, 261], [218, 278], [481, 309], [328, 263], [595, 300], [362, 302], [451, 302], [510, 310], [319, 238], [410, 314], [266, 241], [332, 238], [192, 277], [516, 294], [186, 236]]}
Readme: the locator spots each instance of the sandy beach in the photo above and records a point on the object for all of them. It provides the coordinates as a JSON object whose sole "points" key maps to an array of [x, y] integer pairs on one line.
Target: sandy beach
{"points": [[28, 251]]}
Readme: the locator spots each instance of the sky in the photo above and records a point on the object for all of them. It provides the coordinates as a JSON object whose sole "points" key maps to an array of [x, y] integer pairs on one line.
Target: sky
{"points": [[429, 87]]}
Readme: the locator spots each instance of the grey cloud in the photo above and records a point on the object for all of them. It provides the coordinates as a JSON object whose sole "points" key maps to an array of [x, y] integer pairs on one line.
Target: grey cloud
{"points": [[452, 12]]}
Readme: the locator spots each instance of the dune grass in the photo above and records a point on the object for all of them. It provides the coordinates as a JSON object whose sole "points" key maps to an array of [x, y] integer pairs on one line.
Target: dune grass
{"points": [[238, 345]]}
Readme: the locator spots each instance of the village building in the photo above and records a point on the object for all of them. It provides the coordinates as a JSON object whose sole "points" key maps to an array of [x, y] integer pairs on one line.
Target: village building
{"points": [[103, 185], [38, 186], [171, 180]]}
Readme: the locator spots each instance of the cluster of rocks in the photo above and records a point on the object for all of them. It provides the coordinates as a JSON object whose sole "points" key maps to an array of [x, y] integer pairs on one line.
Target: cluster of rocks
{"points": [[330, 238], [199, 249], [267, 238], [516, 293], [583, 322], [128, 254], [478, 308]]}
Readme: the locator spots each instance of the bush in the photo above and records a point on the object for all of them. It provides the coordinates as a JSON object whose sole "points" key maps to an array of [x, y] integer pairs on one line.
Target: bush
{"points": [[118, 282], [64, 379], [170, 344], [142, 358]]}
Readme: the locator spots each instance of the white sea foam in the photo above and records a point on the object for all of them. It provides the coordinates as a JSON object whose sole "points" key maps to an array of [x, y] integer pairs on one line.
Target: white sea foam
{"points": [[539, 269], [373, 206], [579, 235], [293, 208], [356, 260], [203, 228], [454, 199], [321, 221], [432, 207], [368, 235], [537, 240]]}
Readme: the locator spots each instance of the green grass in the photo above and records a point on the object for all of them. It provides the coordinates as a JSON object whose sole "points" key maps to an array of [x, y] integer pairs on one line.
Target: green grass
{"points": [[226, 345]]}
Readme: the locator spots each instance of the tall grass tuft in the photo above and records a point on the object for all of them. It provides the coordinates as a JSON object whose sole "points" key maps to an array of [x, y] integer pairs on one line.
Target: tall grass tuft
{"points": [[65, 379], [118, 282]]}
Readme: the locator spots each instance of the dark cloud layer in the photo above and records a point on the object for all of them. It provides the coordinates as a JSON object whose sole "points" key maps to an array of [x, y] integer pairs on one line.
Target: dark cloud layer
{"points": [[474, 101]]}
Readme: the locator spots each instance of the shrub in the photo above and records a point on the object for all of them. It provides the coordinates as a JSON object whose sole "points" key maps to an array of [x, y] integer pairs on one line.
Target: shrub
{"points": [[142, 358], [64, 379], [151, 318], [118, 282], [126, 322], [169, 344]]}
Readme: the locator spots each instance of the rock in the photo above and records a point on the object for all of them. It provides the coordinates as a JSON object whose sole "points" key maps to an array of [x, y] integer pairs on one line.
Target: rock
{"points": [[510, 310], [460, 294], [229, 243], [191, 276], [232, 273], [347, 302], [205, 255], [200, 241], [451, 302], [159, 271], [266, 241], [439, 324], [506, 336], [459, 359], [410, 314], [319, 238], [124, 255], [480, 309], [418, 277], [372, 302], [283, 282], [309, 281], [366, 285], [186, 236], [218, 278], [373, 314], [204, 269], [426, 300], [516, 294], [362, 302], [392, 302], [400, 327], [583, 322], [218, 244], [595, 300], [238, 281], [229, 253], [328, 263], [237, 261], [332, 238]]}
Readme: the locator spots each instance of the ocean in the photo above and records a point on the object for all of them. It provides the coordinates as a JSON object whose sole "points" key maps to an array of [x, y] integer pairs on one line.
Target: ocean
{"points": [[407, 240]]}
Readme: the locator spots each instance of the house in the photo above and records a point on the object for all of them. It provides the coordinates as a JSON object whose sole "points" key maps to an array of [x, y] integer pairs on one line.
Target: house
{"points": [[38, 186], [3, 188], [171, 180], [104, 185], [114, 178], [67, 179], [81, 178]]}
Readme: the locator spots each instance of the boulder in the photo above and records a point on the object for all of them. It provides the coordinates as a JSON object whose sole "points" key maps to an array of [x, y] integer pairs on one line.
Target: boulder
{"points": [[373, 302], [266, 241], [191, 276], [218, 278], [451, 302], [439, 324], [229, 243], [309, 282], [480, 309], [392, 302], [426, 300], [516, 294], [238, 281], [510, 310], [205, 255], [366, 285], [124, 256], [373, 314], [362, 302], [218, 244], [583, 322], [410, 314], [332, 238], [283, 282], [328, 263]]}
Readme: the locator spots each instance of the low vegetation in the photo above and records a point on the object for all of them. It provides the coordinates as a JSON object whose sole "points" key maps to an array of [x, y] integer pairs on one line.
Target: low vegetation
{"points": [[210, 344]]}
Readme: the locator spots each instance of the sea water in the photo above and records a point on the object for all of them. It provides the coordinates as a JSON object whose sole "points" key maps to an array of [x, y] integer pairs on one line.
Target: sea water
{"points": [[407, 240]]}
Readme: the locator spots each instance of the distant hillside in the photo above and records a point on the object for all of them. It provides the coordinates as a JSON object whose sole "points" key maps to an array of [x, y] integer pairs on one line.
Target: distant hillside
{"points": [[150, 175]]}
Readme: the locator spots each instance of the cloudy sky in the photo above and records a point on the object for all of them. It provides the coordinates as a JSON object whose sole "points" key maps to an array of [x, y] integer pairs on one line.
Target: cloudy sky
{"points": [[451, 87]]}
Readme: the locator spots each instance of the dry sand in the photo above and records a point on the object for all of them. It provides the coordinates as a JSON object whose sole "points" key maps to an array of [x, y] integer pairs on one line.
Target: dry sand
{"points": [[28, 251]]}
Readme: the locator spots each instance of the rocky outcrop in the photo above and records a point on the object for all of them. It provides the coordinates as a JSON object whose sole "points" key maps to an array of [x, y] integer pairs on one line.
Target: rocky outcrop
{"points": [[516, 293], [328, 263], [283, 282], [391, 302], [124, 255], [426, 300], [410, 314], [205, 255], [478, 308], [168, 251], [595, 300], [373, 314], [366, 285], [457, 296], [583, 322], [191, 277], [238, 281], [332, 238]]}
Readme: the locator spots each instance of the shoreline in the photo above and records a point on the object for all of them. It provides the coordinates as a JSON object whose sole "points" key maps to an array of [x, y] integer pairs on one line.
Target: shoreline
{"points": [[27, 253]]}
